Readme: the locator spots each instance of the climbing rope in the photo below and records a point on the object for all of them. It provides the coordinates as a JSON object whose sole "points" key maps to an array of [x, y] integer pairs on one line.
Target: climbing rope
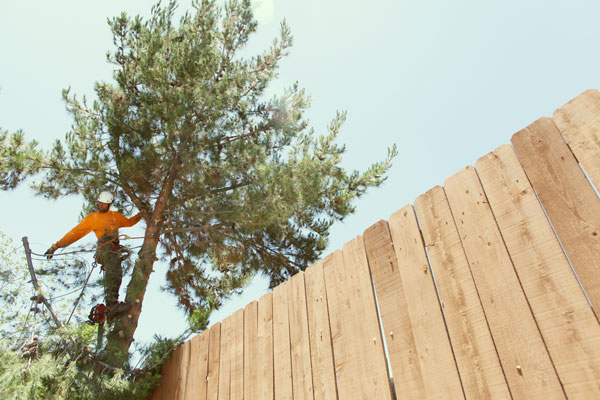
{"points": [[94, 265]]}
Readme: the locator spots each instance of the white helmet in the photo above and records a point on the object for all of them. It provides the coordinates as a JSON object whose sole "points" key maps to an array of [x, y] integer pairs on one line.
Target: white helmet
{"points": [[106, 197]]}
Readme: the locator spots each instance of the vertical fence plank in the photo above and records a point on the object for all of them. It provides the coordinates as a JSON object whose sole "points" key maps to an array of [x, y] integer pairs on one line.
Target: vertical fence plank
{"points": [[281, 343], [214, 353], [251, 356], [299, 340], [170, 376], [324, 387], [360, 364], [198, 367], [433, 346], [568, 198], [237, 356], [265, 347], [579, 123], [183, 370], [566, 321], [406, 369], [479, 368], [525, 360], [225, 358]]}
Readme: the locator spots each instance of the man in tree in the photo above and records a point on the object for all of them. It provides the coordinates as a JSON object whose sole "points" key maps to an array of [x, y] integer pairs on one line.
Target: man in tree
{"points": [[105, 224], [230, 184]]}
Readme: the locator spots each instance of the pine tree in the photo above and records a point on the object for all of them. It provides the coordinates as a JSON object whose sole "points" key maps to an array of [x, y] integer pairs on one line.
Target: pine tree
{"points": [[230, 184]]}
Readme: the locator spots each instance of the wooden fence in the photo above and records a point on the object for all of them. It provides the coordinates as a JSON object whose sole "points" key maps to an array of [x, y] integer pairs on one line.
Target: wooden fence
{"points": [[475, 292]]}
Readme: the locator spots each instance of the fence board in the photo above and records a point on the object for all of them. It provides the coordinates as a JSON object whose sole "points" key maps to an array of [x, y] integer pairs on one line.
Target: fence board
{"points": [[251, 365], [265, 347], [526, 363], [198, 367], [324, 387], [299, 340], [225, 358], [579, 123], [406, 369], [479, 368], [183, 370], [566, 321], [282, 363], [171, 371], [567, 196], [360, 364], [214, 353], [237, 356], [433, 346]]}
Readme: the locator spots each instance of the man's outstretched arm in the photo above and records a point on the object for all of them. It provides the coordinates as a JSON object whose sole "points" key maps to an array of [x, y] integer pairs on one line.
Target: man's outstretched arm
{"points": [[125, 222], [82, 229]]}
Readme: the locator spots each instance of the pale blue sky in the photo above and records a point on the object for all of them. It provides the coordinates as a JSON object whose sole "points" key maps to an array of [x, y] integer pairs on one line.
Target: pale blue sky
{"points": [[446, 81]]}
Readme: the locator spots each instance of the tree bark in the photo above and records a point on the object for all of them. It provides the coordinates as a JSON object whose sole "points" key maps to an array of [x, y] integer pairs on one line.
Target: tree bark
{"points": [[120, 337]]}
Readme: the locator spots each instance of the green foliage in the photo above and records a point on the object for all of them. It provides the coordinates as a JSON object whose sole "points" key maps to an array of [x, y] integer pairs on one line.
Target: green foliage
{"points": [[13, 289], [18, 159], [66, 363], [232, 184], [71, 374]]}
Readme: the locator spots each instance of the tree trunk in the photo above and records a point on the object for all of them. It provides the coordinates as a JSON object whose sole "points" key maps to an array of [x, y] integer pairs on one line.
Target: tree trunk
{"points": [[120, 336]]}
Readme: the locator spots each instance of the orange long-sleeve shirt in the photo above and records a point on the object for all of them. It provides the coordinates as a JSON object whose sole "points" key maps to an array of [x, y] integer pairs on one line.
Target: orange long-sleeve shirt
{"points": [[99, 222]]}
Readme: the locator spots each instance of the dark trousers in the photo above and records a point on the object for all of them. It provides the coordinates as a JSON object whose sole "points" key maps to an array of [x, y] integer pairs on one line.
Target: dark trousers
{"points": [[108, 255]]}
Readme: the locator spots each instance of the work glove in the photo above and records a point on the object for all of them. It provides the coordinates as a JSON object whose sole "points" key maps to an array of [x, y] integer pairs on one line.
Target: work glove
{"points": [[50, 252]]}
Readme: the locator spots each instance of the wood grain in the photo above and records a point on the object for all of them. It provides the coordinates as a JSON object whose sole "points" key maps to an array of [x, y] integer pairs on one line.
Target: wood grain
{"points": [[579, 122], [324, 386], [431, 338], [568, 198], [525, 360], [299, 340], [478, 364], [237, 356], [214, 353], [282, 363], [566, 321], [391, 297], [225, 358], [198, 367], [265, 347], [361, 368], [251, 354]]}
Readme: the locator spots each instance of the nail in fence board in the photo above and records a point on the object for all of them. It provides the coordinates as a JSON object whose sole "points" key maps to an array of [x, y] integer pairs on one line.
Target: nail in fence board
{"points": [[265, 347], [251, 366], [281, 343], [198, 367], [566, 321], [579, 123], [320, 338], [526, 364], [406, 369], [433, 346], [479, 368], [214, 353], [567, 196], [299, 340], [360, 364]]}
